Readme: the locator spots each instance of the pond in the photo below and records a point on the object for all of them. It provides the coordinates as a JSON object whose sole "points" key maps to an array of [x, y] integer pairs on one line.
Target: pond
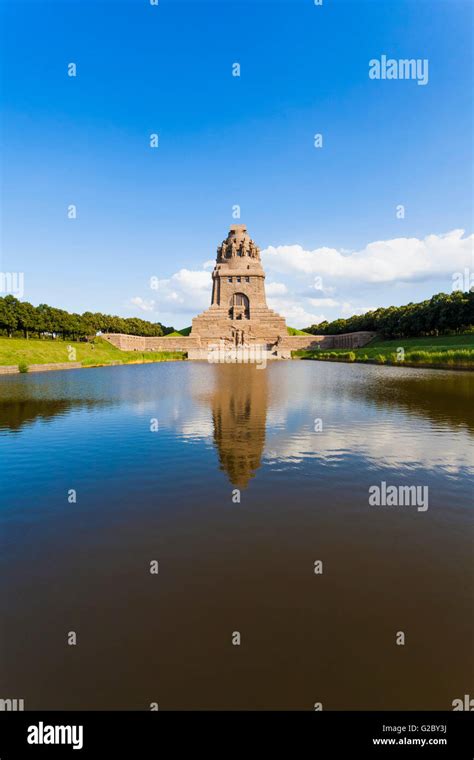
{"points": [[152, 512]]}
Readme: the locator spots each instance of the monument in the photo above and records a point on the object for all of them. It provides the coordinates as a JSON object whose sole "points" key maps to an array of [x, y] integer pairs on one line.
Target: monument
{"points": [[238, 314], [238, 325]]}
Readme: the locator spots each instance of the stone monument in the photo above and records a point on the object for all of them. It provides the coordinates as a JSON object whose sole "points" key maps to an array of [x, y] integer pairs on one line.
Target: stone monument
{"points": [[238, 314]]}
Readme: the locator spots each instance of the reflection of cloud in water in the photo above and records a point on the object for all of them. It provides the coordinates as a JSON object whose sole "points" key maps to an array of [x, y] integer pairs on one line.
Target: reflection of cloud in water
{"points": [[381, 444], [198, 428], [390, 416], [393, 418]]}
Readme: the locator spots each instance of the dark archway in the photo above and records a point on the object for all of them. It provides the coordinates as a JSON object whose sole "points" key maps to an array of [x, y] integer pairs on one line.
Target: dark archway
{"points": [[239, 306]]}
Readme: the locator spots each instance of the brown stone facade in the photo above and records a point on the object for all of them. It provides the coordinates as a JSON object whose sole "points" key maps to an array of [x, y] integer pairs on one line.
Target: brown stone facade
{"points": [[238, 316]]}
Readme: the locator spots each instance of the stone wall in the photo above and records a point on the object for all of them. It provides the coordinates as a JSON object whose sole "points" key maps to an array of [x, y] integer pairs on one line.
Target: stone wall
{"points": [[190, 345], [140, 343], [12, 369], [295, 342], [329, 342], [352, 340]]}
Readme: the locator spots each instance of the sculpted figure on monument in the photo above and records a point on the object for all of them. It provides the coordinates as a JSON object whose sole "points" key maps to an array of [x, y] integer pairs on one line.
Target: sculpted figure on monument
{"points": [[239, 337]]}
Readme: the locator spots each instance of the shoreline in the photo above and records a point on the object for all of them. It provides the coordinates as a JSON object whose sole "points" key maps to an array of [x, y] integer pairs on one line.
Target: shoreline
{"points": [[9, 370], [410, 365], [12, 369], [23, 355]]}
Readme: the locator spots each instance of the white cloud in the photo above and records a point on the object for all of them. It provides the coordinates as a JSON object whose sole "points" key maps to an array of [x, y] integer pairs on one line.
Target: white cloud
{"points": [[348, 309], [295, 314], [383, 261], [323, 302], [275, 289], [328, 290], [143, 304], [185, 291]]}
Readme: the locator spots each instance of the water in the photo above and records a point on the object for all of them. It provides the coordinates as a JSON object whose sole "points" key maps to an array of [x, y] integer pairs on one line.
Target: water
{"points": [[224, 566]]}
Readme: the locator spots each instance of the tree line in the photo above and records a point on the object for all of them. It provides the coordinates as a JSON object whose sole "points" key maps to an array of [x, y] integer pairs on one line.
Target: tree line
{"points": [[20, 317], [443, 314]]}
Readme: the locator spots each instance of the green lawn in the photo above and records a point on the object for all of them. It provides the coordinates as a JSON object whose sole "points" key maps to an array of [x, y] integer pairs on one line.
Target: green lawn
{"points": [[449, 351], [18, 350], [294, 331], [443, 342], [179, 333]]}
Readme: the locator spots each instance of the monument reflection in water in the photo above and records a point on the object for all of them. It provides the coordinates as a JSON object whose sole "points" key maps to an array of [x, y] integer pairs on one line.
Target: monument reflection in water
{"points": [[227, 566], [239, 414]]}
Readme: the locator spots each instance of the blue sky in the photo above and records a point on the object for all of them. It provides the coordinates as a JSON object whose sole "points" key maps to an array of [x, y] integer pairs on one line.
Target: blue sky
{"points": [[327, 213]]}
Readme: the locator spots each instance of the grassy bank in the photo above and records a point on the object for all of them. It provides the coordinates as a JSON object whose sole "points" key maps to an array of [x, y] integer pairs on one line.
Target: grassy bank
{"points": [[449, 352], [295, 331], [18, 351]]}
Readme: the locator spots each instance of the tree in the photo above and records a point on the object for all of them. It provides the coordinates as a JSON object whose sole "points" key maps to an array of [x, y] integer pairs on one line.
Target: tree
{"points": [[26, 317], [9, 314], [444, 313]]}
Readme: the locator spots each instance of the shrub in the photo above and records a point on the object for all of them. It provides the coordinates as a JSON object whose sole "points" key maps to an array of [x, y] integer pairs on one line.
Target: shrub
{"points": [[419, 356], [23, 366], [380, 359], [454, 356]]}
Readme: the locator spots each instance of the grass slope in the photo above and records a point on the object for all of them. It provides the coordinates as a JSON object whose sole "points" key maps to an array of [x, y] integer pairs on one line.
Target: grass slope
{"points": [[18, 350], [294, 331], [178, 333], [448, 350]]}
